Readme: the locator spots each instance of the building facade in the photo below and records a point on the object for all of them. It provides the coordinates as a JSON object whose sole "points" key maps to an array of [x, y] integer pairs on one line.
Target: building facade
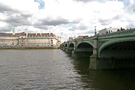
{"points": [[108, 30], [79, 37], [29, 40]]}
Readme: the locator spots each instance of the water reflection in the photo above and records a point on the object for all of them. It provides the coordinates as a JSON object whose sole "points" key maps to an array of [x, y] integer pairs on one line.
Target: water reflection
{"points": [[113, 79], [122, 79], [56, 70]]}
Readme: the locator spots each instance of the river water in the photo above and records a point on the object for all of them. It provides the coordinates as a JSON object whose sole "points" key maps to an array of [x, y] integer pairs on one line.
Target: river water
{"points": [[53, 69]]}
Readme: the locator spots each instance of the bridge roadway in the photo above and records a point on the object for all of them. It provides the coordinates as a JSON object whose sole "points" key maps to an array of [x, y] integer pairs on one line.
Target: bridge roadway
{"points": [[108, 51]]}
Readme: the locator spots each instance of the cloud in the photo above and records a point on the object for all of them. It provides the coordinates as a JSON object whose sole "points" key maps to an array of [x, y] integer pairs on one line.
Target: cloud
{"points": [[43, 27], [5, 8], [126, 2], [3, 24], [54, 22], [18, 20], [25, 6], [105, 22], [4, 27], [60, 22], [79, 26], [41, 4], [68, 16], [15, 18], [3, 30], [130, 25], [131, 7], [85, 1]]}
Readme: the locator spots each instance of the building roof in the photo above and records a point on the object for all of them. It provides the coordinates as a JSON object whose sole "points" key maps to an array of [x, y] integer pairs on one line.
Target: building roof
{"points": [[71, 38], [24, 34], [41, 34], [11, 35], [81, 37]]}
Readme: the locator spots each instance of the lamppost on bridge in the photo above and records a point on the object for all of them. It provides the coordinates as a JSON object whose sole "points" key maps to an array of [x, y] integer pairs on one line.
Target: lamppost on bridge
{"points": [[95, 30]]}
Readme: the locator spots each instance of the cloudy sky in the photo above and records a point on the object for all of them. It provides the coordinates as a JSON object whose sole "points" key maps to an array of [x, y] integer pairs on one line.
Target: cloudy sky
{"points": [[67, 17]]}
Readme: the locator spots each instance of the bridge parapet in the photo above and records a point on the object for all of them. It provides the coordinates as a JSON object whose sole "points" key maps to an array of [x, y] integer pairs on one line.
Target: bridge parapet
{"points": [[129, 32]]}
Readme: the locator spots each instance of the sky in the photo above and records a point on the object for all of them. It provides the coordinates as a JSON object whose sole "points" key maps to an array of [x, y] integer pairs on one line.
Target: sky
{"points": [[65, 18]]}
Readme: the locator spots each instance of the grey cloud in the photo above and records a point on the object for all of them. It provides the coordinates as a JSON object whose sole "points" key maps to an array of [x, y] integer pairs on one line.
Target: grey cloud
{"points": [[105, 22], [83, 27], [26, 15], [117, 17], [80, 27], [52, 22], [89, 32], [131, 25], [131, 8], [73, 28], [21, 19], [42, 27], [18, 20], [46, 23], [85, 1], [5, 8], [7, 29], [77, 21], [4, 30], [8, 10], [55, 22]]}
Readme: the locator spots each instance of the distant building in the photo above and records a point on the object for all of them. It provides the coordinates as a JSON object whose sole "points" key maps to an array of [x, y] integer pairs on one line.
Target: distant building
{"points": [[28, 40], [108, 30], [71, 39], [81, 37]]}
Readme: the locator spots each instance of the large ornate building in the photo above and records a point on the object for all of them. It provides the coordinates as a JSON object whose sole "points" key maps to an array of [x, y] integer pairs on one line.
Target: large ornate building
{"points": [[108, 30], [29, 40]]}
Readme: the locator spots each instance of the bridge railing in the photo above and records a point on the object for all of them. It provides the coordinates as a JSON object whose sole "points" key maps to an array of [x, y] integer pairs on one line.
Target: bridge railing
{"points": [[83, 39], [118, 33]]}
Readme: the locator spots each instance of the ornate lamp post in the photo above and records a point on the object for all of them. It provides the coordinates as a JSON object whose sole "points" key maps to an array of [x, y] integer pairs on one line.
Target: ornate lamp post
{"points": [[95, 30]]}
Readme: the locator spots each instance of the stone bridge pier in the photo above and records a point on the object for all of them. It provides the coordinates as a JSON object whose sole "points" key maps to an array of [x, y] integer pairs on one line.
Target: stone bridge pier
{"points": [[94, 57]]}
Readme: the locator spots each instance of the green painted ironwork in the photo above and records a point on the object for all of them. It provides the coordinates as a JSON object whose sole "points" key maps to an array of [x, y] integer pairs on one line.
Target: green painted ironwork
{"points": [[113, 41], [105, 40]]}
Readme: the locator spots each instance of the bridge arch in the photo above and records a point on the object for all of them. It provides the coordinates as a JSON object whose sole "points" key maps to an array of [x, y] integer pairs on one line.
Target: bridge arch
{"points": [[71, 45], [84, 47], [63, 46], [85, 42], [66, 45], [117, 47]]}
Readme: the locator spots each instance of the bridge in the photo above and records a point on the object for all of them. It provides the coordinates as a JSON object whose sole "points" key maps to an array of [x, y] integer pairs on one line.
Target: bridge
{"points": [[108, 51]]}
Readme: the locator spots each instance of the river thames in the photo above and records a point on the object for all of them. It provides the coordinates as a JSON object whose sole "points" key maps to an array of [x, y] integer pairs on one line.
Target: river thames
{"points": [[53, 69]]}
